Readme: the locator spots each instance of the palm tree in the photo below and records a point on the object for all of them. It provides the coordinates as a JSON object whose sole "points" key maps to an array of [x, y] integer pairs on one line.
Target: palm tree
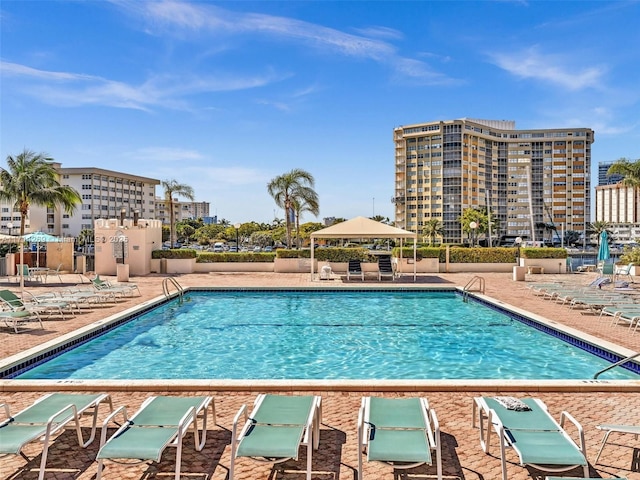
{"points": [[31, 179], [171, 188], [283, 187], [629, 169], [596, 228], [303, 200], [432, 229]]}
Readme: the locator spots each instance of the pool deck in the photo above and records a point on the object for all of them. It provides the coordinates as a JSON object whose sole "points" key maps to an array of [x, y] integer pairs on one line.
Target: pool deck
{"points": [[463, 457]]}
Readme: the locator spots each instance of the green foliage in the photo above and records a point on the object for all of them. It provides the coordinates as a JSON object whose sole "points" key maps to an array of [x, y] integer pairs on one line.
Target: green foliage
{"points": [[336, 255], [481, 255], [543, 252], [630, 255], [258, 257], [174, 253]]}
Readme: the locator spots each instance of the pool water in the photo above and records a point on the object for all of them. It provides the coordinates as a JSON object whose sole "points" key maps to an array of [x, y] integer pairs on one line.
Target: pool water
{"points": [[324, 335]]}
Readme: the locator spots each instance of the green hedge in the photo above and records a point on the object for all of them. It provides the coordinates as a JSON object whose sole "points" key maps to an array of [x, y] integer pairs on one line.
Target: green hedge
{"points": [[336, 255], [261, 257], [543, 252], [175, 253]]}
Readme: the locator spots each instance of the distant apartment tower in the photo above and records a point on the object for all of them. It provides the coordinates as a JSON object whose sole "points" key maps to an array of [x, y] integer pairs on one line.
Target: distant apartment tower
{"points": [[182, 210], [604, 178], [105, 194], [525, 177], [619, 206]]}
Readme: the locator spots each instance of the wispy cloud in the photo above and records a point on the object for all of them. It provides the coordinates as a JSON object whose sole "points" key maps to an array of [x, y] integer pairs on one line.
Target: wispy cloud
{"points": [[555, 69], [165, 91], [182, 18], [165, 154]]}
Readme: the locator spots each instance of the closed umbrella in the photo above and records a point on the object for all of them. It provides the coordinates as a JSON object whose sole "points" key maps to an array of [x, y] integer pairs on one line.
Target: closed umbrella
{"points": [[603, 251]]}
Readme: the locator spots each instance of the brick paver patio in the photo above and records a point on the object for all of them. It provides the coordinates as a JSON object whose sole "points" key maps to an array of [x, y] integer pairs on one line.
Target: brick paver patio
{"points": [[337, 457]]}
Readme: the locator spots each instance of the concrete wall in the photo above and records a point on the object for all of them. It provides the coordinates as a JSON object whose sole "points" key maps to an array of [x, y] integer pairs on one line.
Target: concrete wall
{"points": [[141, 241]]}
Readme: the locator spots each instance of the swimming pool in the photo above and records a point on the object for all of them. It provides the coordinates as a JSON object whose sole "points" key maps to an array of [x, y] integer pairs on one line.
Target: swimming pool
{"points": [[319, 334]]}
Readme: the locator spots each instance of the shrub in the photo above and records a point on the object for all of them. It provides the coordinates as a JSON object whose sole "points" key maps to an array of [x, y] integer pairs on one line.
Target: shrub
{"points": [[482, 255], [336, 255], [543, 252], [261, 257], [630, 255], [175, 253]]}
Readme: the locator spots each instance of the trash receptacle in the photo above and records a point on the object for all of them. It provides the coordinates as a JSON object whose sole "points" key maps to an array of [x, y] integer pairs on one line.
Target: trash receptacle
{"points": [[519, 273], [163, 265]]}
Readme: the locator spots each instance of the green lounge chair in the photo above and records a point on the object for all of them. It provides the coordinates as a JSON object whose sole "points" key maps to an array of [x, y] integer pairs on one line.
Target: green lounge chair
{"points": [[13, 318], [534, 435], [160, 422], [122, 289], [276, 428], [46, 417], [609, 429], [12, 301], [401, 432]]}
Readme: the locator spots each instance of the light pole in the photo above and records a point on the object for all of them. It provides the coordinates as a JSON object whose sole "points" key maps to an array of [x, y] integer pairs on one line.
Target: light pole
{"points": [[473, 226], [518, 242], [237, 226]]}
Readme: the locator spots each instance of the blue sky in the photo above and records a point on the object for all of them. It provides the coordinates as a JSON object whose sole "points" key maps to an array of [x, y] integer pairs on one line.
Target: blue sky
{"points": [[224, 96]]}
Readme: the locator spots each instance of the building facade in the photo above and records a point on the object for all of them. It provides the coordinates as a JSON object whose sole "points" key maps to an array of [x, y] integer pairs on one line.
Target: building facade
{"points": [[526, 178], [604, 178], [105, 194], [182, 210], [619, 206]]}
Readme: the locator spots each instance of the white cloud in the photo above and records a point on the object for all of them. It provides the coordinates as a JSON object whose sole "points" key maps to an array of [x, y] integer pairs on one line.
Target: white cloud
{"points": [[531, 64], [165, 91], [181, 18]]}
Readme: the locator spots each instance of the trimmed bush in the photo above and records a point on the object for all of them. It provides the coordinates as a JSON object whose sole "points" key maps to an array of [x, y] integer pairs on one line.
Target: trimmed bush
{"points": [[261, 257], [543, 252], [336, 255], [174, 253]]}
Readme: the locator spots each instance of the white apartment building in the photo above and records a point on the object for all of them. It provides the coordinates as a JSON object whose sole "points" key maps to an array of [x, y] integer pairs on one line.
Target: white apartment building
{"points": [[105, 194], [525, 177], [619, 205], [182, 210]]}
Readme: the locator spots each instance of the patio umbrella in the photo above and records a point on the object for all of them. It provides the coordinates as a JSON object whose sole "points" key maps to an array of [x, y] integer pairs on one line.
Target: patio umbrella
{"points": [[603, 251], [38, 238]]}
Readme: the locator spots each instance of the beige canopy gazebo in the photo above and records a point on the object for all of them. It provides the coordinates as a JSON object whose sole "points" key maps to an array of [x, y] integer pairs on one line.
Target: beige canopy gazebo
{"points": [[362, 227]]}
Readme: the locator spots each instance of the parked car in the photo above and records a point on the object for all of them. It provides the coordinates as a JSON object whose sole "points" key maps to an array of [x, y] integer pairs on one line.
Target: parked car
{"points": [[257, 249], [267, 249], [233, 249], [218, 247]]}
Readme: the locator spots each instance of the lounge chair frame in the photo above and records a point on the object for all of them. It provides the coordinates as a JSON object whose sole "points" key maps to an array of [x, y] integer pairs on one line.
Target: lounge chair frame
{"points": [[310, 430], [354, 269], [176, 431], [40, 425], [489, 419], [429, 425], [609, 429]]}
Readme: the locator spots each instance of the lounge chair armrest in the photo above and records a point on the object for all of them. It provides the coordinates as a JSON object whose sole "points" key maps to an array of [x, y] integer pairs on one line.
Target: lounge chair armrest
{"points": [[125, 419], [567, 416], [7, 413]]}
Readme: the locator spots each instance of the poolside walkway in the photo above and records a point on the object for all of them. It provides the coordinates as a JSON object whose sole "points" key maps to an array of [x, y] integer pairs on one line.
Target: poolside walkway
{"points": [[337, 457]]}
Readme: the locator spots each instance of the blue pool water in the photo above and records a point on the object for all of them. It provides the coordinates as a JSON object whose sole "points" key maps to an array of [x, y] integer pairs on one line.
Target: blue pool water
{"points": [[324, 335]]}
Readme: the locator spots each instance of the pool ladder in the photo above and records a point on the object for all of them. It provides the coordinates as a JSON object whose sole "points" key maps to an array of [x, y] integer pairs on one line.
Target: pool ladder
{"points": [[165, 288], [624, 360], [467, 288]]}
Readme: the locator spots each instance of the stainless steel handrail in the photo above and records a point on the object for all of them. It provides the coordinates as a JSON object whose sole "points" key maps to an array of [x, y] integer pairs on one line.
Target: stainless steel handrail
{"points": [[470, 283], [165, 288], [618, 363]]}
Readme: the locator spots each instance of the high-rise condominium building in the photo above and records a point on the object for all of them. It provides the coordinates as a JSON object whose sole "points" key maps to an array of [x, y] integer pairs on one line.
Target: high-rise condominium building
{"points": [[181, 210], [526, 178], [105, 194], [604, 178]]}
